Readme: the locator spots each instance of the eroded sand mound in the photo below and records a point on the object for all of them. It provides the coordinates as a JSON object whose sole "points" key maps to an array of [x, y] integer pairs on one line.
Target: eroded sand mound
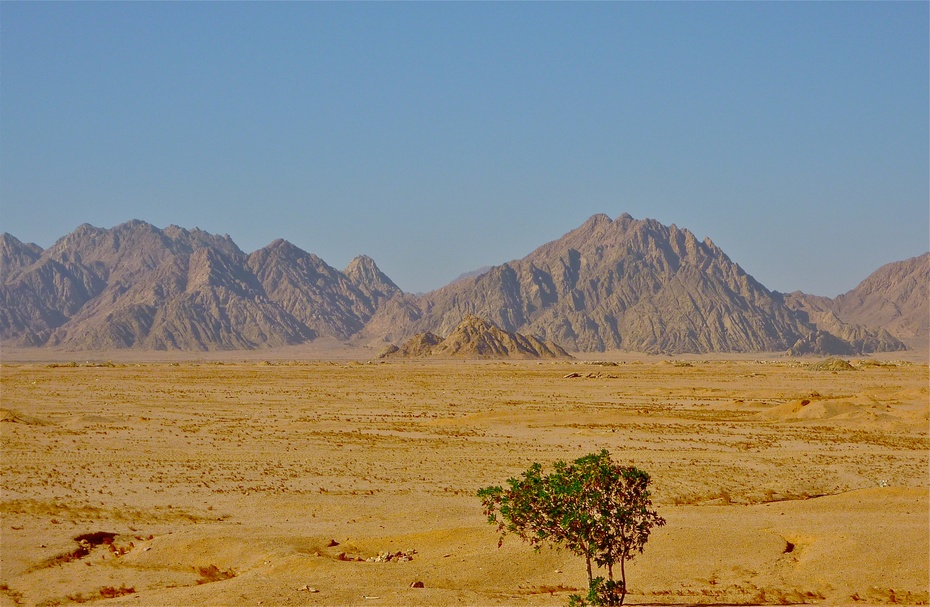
{"points": [[858, 410], [11, 416]]}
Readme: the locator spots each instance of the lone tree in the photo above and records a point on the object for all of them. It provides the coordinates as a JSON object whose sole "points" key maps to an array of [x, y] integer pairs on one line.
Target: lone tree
{"points": [[593, 506]]}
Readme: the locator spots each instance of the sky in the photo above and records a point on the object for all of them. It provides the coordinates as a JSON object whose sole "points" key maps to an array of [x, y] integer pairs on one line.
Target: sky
{"points": [[438, 138]]}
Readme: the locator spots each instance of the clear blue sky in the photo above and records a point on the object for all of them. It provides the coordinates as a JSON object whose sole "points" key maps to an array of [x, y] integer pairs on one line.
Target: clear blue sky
{"points": [[441, 137]]}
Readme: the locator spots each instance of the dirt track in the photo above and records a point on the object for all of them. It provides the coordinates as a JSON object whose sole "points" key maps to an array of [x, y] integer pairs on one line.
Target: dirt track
{"points": [[245, 483]]}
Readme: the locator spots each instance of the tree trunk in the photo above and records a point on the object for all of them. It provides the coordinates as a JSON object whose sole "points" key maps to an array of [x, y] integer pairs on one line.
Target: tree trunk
{"points": [[622, 578]]}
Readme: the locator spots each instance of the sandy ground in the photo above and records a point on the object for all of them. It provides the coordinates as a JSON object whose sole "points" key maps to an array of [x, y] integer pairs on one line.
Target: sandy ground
{"points": [[280, 483]]}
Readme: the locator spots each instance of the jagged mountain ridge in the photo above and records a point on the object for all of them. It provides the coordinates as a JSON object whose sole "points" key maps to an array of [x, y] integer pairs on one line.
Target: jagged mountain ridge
{"points": [[896, 296], [616, 284], [136, 286], [625, 283], [15, 254], [887, 309], [327, 301]]}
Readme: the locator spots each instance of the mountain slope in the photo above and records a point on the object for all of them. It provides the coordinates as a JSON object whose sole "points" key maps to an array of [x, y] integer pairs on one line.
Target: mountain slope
{"points": [[626, 284], [15, 255], [886, 310], [896, 297], [821, 313], [136, 286], [322, 298]]}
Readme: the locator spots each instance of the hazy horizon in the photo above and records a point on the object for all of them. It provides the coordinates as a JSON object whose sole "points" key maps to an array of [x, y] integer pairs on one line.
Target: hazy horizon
{"points": [[440, 138]]}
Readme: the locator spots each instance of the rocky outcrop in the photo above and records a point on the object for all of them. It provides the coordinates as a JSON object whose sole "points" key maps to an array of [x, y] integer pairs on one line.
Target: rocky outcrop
{"points": [[477, 338], [421, 344]]}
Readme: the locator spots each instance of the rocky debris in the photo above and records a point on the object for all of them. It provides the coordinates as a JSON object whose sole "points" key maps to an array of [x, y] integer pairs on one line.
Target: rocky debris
{"points": [[592, 375], [392, 557], [477, 337], [342, 556], [306, 588], [417, 584]]}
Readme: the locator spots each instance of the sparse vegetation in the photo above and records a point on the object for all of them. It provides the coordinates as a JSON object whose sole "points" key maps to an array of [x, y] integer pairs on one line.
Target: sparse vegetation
{"points": [[593, 506], [101, 452]]}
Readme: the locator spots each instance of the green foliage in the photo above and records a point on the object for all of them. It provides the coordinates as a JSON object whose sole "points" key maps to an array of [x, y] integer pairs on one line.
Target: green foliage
{"points": [[592, 506]]}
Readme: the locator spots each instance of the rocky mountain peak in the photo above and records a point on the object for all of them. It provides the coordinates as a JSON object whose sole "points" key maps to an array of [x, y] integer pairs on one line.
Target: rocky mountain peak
{"points": [[626, 284], [364, 271], [365, 274], [15, 254]]}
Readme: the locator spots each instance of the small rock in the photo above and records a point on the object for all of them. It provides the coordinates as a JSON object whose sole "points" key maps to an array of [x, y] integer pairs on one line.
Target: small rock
{"points": [[332, 543], [417, 585]]}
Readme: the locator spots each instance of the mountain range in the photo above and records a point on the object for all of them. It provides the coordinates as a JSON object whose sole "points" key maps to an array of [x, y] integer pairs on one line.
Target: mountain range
{"points": [[623, 283]]}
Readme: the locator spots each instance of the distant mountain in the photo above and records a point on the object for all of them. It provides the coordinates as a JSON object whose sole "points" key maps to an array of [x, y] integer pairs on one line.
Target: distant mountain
{"points": [[323, 299], [472, 274], [136, 286], [15, 254], [626, 284], [888, 308], [477, 338], [895, 296], [615, 284]]}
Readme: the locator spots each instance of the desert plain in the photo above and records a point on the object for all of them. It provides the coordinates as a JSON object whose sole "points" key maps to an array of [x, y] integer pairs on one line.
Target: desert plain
{"points": [[349, 482]]}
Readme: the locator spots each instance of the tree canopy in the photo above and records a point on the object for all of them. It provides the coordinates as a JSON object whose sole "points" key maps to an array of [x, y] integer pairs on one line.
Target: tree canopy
{"points": [[592, 506]]}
